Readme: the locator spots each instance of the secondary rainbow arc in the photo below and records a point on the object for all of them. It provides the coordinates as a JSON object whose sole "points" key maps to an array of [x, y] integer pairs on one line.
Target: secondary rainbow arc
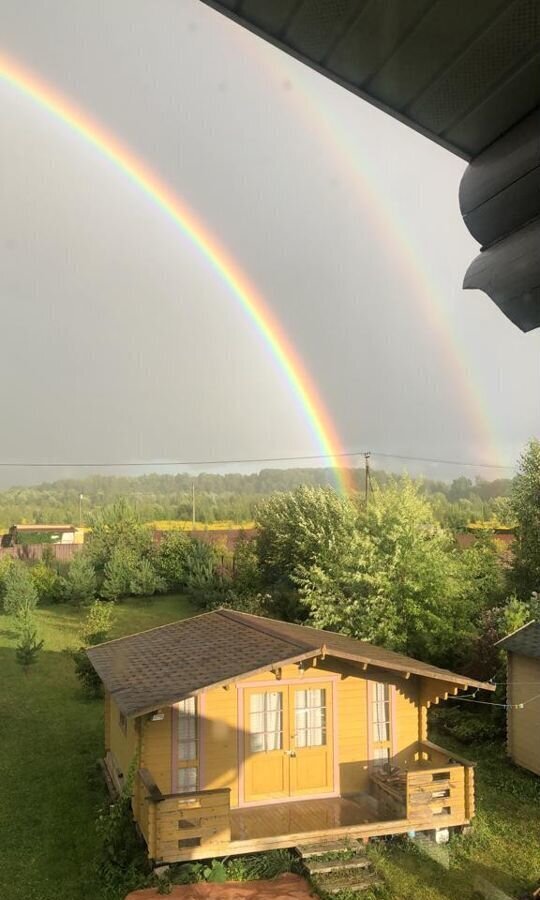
{"points": [[320, 118], [249, 298]]}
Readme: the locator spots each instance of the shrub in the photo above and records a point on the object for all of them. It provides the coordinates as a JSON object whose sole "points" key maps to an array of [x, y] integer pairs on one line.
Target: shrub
{"points": [[28, 647], [20, 594], [98, 623], [81, 581], [470, 727], [170, 560], [49, 585], [145, 581], [122, 864], [94, 631], [118, 573]]}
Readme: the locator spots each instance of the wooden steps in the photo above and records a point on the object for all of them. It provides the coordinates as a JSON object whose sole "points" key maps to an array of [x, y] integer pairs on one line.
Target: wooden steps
{"points": [[336, 885], [336, 866]]}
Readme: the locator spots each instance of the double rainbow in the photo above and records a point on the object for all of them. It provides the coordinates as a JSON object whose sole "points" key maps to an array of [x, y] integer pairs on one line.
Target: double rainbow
{"points": [[246, 295]]}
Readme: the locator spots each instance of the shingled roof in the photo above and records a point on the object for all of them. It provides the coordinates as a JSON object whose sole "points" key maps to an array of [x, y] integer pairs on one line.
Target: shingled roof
{"points": [[525, 641], [167, 664]]}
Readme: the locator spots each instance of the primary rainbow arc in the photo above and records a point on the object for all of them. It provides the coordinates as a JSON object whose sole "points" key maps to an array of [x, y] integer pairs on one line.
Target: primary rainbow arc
{"points": [[264, 320]]}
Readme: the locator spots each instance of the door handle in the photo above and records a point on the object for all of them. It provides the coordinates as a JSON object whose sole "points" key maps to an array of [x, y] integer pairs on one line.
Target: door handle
{"points": [[289, 752]]}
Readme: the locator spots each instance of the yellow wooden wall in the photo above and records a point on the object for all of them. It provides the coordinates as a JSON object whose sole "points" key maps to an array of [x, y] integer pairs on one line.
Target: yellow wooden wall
{"points": [[156, 749], [219, 728], [524, 724], [123, 746]]}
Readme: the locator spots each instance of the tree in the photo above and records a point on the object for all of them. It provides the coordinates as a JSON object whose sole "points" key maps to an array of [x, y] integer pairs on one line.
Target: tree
{"points": [[119, 570], [144, 580], [49, 585], [95, 630], [296, 529], [81, 581], [396, 581], [117, 526], [20, 594], [171, 559], [29, 646], [526, 508], [483, 573]]}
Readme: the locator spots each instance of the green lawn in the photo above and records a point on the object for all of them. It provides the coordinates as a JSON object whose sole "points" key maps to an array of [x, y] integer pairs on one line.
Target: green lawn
{"points": [[504, 847], [50, 740], [51, 737]]}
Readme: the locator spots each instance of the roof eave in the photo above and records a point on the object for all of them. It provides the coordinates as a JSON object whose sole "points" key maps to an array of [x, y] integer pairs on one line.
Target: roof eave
{"points": [[451, 677]]}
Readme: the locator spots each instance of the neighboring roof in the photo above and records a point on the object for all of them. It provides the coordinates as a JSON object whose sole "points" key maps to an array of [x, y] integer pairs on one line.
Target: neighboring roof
{"points": [[525, 641], [461, 73], [38, 528], [167, 664]]}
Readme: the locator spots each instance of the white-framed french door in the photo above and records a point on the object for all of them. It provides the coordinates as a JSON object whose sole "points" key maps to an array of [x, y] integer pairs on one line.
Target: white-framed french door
{"points": [[287, 740]]}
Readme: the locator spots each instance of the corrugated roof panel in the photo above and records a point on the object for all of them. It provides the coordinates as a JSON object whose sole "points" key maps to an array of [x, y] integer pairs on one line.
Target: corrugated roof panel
{"points": [[440, 35], [372, 38], [487, 62]]}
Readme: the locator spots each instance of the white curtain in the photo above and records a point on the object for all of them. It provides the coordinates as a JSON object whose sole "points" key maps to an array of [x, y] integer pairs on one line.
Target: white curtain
{"points": [[265, 725], [273, 721], [310, 715], [381, 713], [187, 729]]}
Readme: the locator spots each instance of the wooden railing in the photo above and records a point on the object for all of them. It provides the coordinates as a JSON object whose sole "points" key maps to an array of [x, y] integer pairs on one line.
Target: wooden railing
{"points": [[435, 791], [176, 826], [441, 794]]}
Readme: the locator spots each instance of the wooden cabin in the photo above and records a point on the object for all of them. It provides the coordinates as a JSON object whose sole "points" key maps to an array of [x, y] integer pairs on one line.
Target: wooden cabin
{"points": [[247, 734], [523, 722]]}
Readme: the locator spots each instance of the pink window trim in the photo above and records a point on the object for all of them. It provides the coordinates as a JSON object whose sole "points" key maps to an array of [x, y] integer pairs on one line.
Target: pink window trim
{"points": [[393, 719], [200, 705]]}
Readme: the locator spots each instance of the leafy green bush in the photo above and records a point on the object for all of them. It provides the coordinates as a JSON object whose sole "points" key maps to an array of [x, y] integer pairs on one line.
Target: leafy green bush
{"points": [[470, 727], [123, 865], [49, 585], [95, 630], [80, 581], [28, 646], [254, 867], [20, 594]]}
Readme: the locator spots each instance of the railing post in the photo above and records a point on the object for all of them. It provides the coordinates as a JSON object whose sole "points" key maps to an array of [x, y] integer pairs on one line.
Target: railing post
{"points": [[152, 828]]}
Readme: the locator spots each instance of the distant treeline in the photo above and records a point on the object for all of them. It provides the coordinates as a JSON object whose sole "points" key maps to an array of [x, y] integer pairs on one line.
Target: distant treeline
{"points": [[231, 497]]}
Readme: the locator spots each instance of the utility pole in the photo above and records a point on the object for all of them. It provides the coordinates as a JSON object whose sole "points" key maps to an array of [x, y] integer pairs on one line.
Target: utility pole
{"points": [[367, 455], [193, 505], [81, 498]]}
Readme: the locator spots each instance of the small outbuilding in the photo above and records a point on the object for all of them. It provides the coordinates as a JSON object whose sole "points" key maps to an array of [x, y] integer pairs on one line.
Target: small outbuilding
{"points": [[523, 695], [246, 734]]}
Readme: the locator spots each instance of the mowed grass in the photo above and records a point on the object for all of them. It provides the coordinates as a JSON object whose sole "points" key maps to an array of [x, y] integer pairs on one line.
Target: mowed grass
{"points": [[51, 737], [503, 848]]}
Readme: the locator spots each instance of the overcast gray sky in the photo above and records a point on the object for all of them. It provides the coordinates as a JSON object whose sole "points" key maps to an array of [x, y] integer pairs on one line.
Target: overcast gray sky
{"points": [[118, 341]]}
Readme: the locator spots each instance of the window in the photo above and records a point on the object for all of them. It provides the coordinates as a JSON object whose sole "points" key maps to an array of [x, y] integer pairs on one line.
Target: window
{"points": [[266, 721], [381, 713], [122, 722], [310, 717], [187, 746], [380, 723]]}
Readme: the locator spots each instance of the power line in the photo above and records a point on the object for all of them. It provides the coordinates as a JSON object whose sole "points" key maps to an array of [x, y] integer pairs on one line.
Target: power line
{"points": [[267, 459]]}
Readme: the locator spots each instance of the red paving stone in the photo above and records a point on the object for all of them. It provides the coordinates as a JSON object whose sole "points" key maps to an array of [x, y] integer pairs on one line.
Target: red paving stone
{"points": [[286, 887]]}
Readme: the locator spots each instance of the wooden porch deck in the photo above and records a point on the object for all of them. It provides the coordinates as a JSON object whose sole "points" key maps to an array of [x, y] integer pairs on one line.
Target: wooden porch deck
{"points": [[437, 791], [302, 817]]}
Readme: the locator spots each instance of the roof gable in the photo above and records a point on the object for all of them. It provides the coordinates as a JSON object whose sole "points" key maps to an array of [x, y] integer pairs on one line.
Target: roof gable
{"points": [[167, 664], [525, 641]]}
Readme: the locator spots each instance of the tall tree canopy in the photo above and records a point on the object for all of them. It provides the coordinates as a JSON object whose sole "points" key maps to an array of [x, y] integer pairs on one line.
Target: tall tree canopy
{"points": [[526, 507], [397, 581], [298, 528]]}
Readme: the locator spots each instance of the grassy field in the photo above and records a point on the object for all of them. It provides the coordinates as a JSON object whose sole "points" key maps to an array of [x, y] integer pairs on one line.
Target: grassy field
{"points": [[50, 740], [51, 737], [504, 847]]}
